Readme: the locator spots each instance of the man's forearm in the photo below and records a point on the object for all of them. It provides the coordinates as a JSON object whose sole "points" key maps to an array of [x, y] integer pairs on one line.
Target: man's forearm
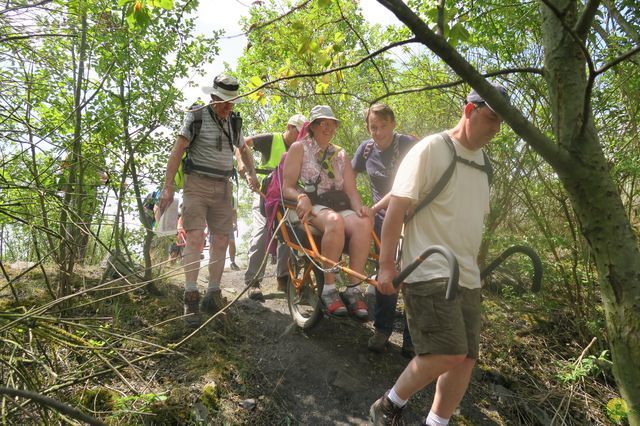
{"points": [[391, 228], [247, 160]]}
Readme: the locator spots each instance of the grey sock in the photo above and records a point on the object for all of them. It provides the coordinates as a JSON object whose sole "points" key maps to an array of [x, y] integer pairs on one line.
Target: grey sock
{"points": [[191, 287], [213, 287]]}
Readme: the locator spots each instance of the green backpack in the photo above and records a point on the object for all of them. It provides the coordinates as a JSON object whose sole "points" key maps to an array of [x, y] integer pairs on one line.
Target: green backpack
{"points": [[194, 128]]}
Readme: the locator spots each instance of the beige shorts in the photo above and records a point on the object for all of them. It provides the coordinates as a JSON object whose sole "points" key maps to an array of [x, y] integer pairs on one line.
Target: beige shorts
{"points": [[317, 208], [207, 201], [443, 327]]}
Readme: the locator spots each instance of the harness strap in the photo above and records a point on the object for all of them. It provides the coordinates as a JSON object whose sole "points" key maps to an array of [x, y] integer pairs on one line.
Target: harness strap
{"points": [[446, 176]]}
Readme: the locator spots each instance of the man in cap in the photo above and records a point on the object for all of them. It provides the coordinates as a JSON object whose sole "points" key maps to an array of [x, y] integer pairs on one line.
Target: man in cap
{"points": [[445, 333], [207, 195], [271, 146]]}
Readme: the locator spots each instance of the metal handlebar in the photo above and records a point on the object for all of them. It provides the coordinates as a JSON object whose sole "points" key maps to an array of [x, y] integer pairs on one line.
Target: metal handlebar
{"points": [[535, 260], [454, 270]]}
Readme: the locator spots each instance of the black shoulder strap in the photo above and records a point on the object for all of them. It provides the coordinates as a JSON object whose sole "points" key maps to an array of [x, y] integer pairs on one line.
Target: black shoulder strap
{"points": [[444, 179], [196, 124], [441, 183]]}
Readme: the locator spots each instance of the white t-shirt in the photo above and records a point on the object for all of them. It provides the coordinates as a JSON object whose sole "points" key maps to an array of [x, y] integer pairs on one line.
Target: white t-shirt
{"points": [[454, 219]]}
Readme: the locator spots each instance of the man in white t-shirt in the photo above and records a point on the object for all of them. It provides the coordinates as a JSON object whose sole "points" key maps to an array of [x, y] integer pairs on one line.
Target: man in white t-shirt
{"points": [[445, 333]]}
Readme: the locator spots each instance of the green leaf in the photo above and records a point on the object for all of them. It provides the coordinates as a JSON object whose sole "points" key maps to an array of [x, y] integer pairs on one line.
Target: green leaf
{"points": [[123, 2], [324, 3], [255, 81], [165, 4], [304, 47], [457, 34]]}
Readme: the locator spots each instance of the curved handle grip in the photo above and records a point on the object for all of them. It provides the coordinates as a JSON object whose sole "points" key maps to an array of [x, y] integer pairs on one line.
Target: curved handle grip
{"points": [[454, 270], [528, 251]]}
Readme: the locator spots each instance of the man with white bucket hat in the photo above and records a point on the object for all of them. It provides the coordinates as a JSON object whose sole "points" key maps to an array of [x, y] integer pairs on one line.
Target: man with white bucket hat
{"points": [[210, 138]]}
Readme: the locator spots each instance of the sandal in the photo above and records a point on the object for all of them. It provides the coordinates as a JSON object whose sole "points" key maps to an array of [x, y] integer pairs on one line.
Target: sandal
{"points": [[333, 304]]}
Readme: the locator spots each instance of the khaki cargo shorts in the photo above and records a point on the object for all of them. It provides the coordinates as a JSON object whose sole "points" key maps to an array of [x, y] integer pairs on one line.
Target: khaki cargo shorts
{"points": [[443, 327], [207, 201]]}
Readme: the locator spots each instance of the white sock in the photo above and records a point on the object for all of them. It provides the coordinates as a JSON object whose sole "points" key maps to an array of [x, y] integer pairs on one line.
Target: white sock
{"points": [[353, 290], [371, 289], [435, 420], [328, 287], [393, 397], [213, 287], [191, 287]]}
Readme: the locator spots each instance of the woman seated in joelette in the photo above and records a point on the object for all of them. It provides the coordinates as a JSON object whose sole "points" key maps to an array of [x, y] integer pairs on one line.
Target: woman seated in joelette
{"points": [[322, 168]]}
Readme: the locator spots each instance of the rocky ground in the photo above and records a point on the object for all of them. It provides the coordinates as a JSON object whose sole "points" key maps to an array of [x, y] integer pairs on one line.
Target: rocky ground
{"points": [[325, 376]]}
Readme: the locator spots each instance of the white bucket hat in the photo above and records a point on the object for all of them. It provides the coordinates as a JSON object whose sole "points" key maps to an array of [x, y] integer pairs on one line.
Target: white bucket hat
{"points": [[322, 111], [224, 87]]}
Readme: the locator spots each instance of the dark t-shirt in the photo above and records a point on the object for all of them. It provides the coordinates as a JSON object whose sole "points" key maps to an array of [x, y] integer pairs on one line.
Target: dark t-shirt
{"points": [[262, 144], [381, 166]]}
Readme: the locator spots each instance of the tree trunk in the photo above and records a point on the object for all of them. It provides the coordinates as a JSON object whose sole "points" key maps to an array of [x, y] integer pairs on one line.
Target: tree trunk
{"points": [[595, 199]]}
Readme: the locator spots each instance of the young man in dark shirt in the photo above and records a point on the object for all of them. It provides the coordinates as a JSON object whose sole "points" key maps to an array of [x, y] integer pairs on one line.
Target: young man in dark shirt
{"points": [[379, 158]]}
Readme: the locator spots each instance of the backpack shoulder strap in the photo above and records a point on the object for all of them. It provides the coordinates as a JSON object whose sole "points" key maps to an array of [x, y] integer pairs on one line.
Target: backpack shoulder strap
{"points": [[367, 150], [196, 124], [488, 168], [441, 183]]}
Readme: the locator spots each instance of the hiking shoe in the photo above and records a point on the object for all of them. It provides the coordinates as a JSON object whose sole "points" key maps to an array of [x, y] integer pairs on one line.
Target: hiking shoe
{"points": [[212, 302], [378, 341], [255, 294], [357, 306], [283, 282], [408, 351], [234, 267], [192, 308], [383, 412], [333, 303]]}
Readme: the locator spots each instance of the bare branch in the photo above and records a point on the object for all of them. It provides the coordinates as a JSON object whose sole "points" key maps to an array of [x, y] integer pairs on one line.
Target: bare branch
{"points": [[458, 82], [617, 60], [52, 403], [267, 23], [329, 71], [26, 6], [366, 47], [26, 36], [554, 154], [586, 18]]}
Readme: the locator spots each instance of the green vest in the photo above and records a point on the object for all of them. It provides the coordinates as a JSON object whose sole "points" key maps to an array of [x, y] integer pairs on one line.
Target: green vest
{"points": [[277, 149]]}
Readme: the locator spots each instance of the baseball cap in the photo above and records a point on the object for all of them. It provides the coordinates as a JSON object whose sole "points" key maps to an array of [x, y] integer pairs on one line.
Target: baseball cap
{"points": [[297, 120], [475, 97]]}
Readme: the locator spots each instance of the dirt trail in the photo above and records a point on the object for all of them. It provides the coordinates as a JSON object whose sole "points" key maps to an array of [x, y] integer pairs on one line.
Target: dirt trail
{"points": [[325, 376]]}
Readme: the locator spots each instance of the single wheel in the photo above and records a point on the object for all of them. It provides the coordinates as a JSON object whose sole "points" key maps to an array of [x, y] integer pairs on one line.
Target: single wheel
{"points": [[305, 286]]}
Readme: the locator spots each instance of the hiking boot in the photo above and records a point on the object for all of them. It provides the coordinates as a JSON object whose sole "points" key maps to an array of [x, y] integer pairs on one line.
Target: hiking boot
{"points": [[356, 304], [234, 267], [383, 412], [378, 341], [255, 294], [283, 282], [192, 308], [408, 351], [212, 302], [333, 303]]}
